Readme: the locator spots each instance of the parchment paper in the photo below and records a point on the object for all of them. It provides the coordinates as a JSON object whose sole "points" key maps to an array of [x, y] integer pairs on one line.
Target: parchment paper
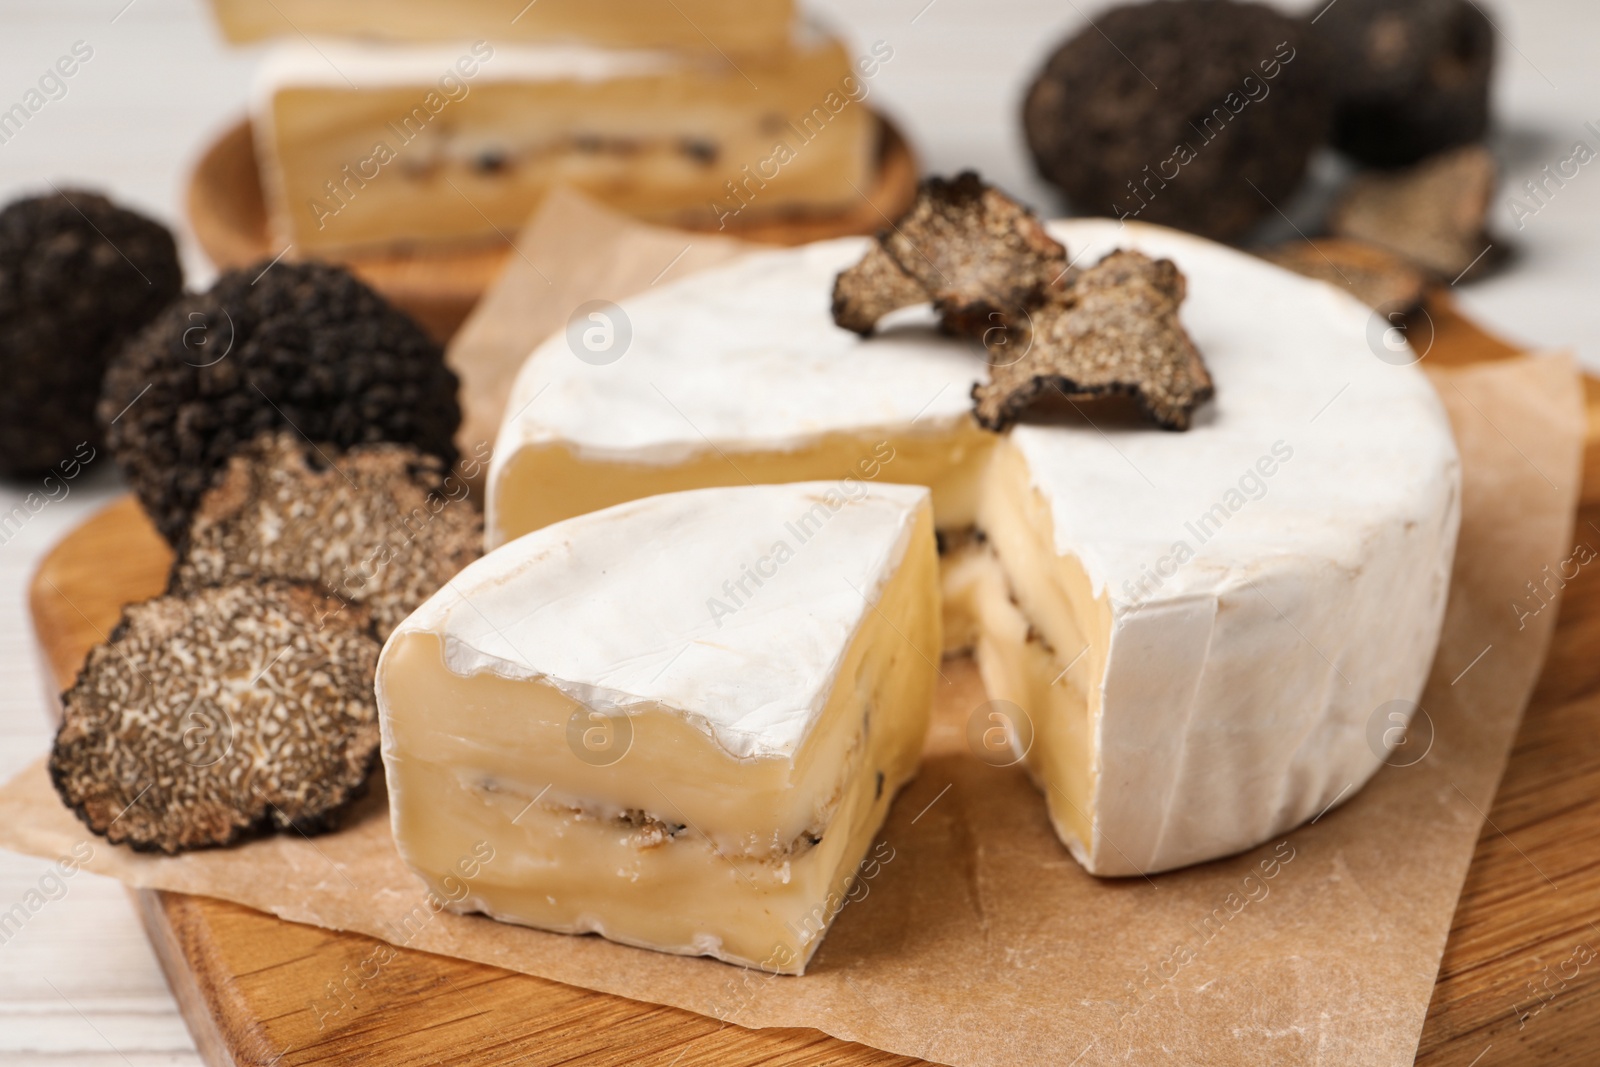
{"points": [[979, 941]]}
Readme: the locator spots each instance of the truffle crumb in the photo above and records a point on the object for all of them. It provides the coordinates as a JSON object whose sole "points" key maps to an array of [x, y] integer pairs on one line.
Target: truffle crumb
{"points": [[1434, 214], [207, 718], [300, 345], [1115, 332], [384, 526], [78, 276]]}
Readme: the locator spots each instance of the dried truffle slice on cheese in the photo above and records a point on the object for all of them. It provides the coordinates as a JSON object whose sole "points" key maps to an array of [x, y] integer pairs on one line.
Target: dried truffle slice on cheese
{"points": [[206, 718], [871, 289], [1116, 331], [976, 250], [380, 525], [678, 722]]}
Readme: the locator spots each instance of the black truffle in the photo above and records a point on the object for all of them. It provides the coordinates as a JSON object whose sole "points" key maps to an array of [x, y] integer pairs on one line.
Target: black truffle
{"points": [[211, 717], [78, 276], [383, 526], [979, 255], [1200, 114], [303, 346], [1411, 76]]}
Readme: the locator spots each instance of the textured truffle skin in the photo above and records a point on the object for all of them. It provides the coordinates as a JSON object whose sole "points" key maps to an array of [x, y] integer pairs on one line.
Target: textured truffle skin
{"points": [[208, 718], [1412, 76], [303, 345], [78, 276], [975, 252], [1116, 332], [384, 526], [1211, 145]]}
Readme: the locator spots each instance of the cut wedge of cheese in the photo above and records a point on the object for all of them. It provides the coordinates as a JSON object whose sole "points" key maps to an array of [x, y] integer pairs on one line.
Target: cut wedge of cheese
{"points": [[677, 723], [364, 146], [1198, 626], [736, 26]]}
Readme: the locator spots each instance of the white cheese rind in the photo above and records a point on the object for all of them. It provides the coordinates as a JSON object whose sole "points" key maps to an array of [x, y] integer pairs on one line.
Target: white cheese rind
{"points": [[1238, 688], [741, 358], [631, 606], [738, 376]]}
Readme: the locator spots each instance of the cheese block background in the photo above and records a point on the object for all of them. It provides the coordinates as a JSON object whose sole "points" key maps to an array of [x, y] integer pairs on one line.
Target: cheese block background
{"points": [[1271, 575], [742, 25], [379, 145]]}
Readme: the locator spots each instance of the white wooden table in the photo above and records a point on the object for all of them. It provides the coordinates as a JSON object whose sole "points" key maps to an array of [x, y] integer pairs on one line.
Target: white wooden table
{"points": [[78, 984]]}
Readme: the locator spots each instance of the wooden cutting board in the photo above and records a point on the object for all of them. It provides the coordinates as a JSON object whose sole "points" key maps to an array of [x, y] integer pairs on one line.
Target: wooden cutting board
{"points": [[438, 286], [1506, 993]]}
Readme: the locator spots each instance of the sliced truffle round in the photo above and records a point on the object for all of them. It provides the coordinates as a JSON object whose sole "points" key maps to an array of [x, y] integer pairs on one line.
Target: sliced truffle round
{"points": [[78, 276], [207, 718], [1199, 114], [1411, 76], [384, 526], [304, 346]]}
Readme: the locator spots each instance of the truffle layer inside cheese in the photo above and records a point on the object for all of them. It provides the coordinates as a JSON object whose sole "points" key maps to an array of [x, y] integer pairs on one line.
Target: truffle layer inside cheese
{"points": [[363, 146], [652, 757]]}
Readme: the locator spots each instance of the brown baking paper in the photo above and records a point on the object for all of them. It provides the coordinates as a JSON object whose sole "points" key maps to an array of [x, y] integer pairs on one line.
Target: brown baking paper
{"points": [[975, 939]]}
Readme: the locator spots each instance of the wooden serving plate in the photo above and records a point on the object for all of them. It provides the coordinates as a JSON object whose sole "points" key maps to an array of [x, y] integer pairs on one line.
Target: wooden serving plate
{"points": [[439, 286]]}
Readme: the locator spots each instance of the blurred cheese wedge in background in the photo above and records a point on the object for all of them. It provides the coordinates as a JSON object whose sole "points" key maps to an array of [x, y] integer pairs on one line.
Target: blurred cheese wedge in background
{"points": [[736, 26], [376, 145]]}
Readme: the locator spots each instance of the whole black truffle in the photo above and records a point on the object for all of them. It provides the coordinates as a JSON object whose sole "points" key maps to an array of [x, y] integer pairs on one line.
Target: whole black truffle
{"points": [[1200, 114], [1411, 76], [303, 346], [78, 276]]}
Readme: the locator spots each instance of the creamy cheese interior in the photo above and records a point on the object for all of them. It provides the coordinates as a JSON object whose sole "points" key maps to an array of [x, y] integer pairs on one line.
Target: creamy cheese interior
{"points": [[545, 483], [704, 833]]}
